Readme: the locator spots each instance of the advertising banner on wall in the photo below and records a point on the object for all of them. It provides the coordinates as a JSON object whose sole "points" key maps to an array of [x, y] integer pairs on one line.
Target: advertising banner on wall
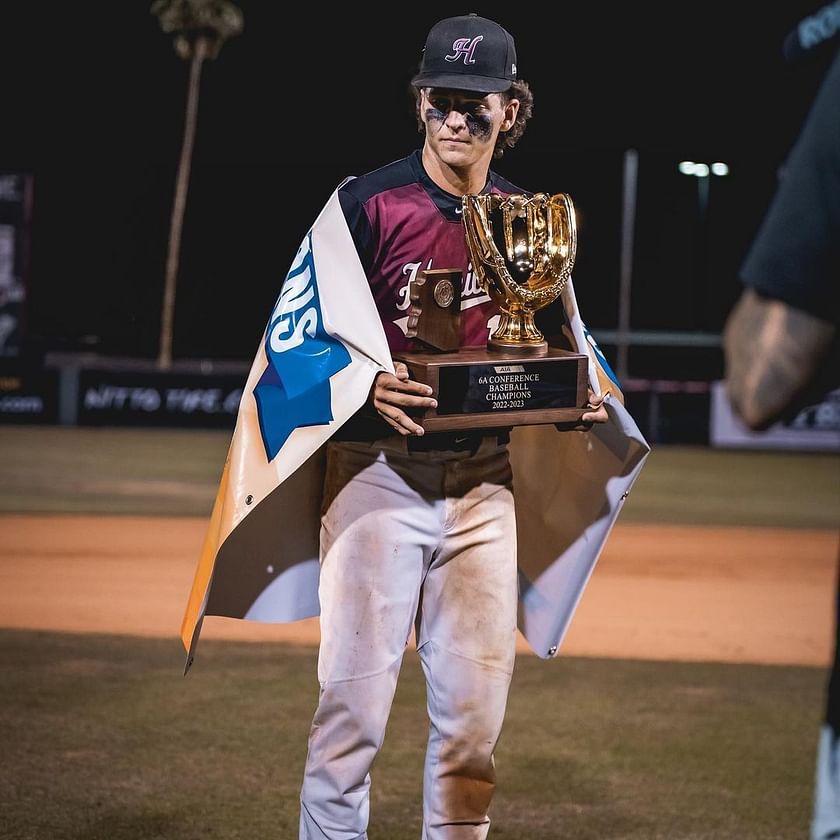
{"points": [[114, 398], [27, 395], [816, 428]]}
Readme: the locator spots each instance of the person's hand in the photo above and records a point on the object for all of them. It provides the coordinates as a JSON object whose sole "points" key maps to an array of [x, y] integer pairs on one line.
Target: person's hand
{"points": [[598, 413], [391, 395], [776, 359]]}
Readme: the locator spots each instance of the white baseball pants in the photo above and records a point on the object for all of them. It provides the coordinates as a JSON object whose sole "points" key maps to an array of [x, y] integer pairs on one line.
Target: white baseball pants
{"points": [[425, 539]]}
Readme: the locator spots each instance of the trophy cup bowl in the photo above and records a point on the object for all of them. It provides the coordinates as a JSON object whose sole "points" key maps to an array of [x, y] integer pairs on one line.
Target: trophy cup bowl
{"points": [[523, 251]]}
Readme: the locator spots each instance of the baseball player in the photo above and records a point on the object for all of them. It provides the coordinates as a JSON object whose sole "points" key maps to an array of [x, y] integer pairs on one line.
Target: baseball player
{"points": [[417, 529]]}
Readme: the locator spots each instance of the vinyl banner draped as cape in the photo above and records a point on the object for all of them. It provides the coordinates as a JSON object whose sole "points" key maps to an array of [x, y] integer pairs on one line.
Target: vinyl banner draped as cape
{"points": [[322, 348]]}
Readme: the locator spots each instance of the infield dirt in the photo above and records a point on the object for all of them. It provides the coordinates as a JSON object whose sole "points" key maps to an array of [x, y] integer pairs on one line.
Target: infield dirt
{"points": [[671, 592]]}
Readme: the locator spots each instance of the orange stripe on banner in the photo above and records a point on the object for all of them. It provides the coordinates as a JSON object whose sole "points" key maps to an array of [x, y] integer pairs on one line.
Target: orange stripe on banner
{"points": [[606, 384], [204, 570]]}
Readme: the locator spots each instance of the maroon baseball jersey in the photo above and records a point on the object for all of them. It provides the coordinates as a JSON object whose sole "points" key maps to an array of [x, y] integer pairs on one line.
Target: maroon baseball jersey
{"points": [[402, 222]]}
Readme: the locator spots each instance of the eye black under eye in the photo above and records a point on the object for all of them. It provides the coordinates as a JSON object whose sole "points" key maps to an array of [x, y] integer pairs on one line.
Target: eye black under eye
{"points": [[445, 105]]}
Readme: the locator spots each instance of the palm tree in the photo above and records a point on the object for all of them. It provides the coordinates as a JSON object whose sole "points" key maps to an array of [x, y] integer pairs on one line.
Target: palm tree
{"points": [[199, 29]]}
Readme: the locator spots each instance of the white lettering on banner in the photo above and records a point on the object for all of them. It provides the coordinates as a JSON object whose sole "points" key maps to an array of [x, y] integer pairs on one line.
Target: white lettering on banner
{"points": [[20, 404], [308, 323], [824, 416], [295, 295], [188, 400], [232, 400], [118, 398], [174, 400], [297, 292], [145, 399]]}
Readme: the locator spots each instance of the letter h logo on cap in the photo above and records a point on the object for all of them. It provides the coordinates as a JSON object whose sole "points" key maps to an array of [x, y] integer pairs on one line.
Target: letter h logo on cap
{"points": [[464, 47]]}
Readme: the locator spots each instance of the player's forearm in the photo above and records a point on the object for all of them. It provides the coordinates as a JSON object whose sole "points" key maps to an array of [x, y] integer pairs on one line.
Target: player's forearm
{"points": [[772, 352]]}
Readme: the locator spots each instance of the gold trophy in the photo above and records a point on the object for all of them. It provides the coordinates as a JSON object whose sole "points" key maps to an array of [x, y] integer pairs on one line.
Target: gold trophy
{"points": [[522, 251]]}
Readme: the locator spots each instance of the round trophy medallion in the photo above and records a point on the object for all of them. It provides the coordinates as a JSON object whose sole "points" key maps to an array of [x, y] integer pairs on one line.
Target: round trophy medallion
{"points": [[444, 293]]}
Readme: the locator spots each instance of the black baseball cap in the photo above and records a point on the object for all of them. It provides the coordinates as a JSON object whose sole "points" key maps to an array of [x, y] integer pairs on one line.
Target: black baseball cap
{"points": [[468, 53]]}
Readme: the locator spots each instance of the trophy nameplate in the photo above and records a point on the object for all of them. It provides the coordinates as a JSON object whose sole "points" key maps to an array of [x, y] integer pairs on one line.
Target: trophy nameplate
{"points": [[479, 389], [522, 251]]}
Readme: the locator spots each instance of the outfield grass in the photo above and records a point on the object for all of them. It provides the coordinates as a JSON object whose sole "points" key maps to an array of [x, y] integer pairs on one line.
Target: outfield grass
{"points": [[703, 486], [103, 739], [175, 472], [57, 469]]}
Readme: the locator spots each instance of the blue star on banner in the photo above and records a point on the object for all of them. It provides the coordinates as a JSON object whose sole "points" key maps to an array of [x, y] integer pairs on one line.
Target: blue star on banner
{"points": [[295, 390]]}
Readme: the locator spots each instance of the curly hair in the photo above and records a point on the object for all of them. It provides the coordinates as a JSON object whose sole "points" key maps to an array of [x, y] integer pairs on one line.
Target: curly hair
{"points": [[506, 139]]}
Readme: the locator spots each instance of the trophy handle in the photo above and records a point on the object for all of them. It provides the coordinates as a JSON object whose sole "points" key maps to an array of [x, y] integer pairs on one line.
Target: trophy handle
{"points": [[551, 243], [488, 264], [561, 229]]}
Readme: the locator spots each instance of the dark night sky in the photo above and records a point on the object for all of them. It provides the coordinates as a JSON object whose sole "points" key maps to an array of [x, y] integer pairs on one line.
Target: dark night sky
{"points": [[93, 100]]}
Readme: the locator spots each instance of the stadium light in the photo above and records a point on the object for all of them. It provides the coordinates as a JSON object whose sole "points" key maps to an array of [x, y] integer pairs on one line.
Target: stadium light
{"points": [[703, 172]]}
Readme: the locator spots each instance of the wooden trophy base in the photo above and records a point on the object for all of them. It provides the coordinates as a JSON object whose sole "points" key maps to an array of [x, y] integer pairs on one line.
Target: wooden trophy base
{"points": [[480, 389]]}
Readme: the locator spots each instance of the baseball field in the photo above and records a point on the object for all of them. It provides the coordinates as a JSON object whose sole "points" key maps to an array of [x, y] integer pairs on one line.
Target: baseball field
{"points": [[685, 703]]}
